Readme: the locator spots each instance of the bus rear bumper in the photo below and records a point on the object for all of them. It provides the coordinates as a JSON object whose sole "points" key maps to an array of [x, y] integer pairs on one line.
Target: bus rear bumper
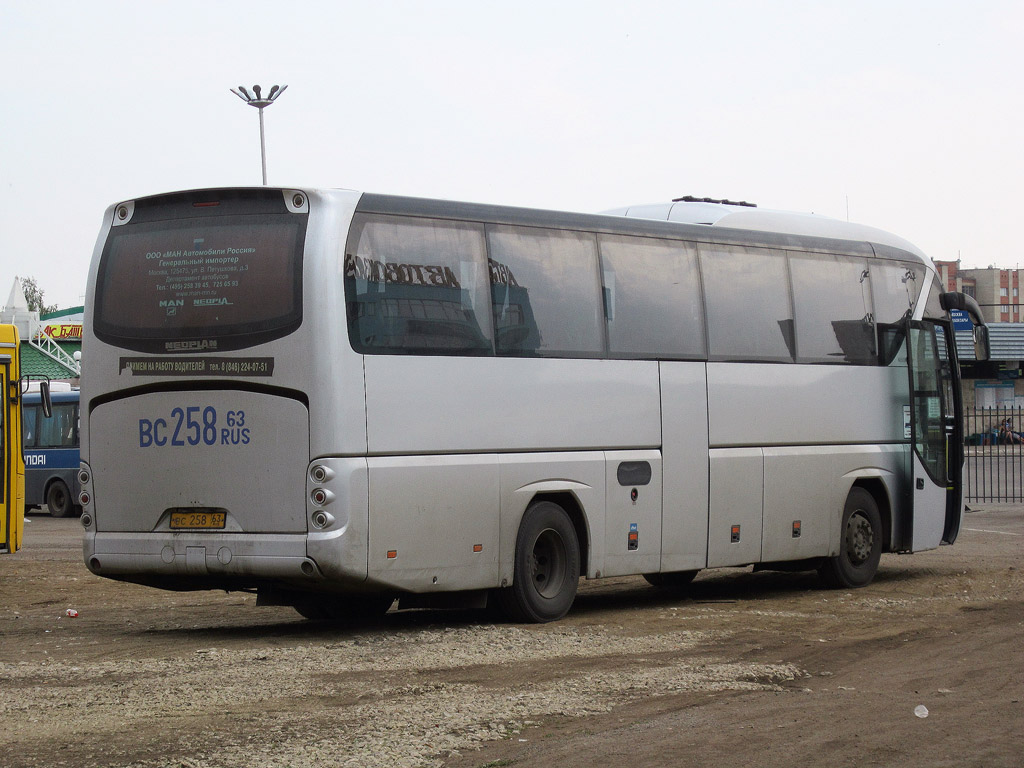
{"points": [[201, 561]]}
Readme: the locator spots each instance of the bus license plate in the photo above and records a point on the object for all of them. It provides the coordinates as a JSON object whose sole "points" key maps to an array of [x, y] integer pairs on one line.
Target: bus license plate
{"points": [[198, 519]]}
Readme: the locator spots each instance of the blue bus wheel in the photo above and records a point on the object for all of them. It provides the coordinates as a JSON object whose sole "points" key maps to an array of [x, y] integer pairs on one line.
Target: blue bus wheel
{"points": [[58, 499]]}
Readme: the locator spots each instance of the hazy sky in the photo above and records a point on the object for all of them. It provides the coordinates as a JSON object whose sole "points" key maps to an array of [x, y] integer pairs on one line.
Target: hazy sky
{"points": [[908, 116]]}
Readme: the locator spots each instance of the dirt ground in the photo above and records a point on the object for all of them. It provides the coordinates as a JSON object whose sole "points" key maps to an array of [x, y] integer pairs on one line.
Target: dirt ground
{"points": [[924, 667]]}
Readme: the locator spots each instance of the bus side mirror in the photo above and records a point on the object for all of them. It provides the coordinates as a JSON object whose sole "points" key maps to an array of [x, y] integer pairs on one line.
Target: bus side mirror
{"points": [[44, 397], [982, 351]]}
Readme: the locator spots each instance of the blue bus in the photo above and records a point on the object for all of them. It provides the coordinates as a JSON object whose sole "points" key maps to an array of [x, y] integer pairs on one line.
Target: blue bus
{"points": [[51, 454]]}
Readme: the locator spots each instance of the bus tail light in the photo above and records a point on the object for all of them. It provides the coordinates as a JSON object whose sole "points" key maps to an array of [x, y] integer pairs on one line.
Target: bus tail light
{"points": [[321, 496], [322, 519], [319, 473]]}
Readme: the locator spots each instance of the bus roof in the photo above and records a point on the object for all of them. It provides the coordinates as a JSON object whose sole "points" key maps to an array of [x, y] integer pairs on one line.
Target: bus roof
{"points": [[765, 220], [780, 228], [32, 398], [740, 224]]}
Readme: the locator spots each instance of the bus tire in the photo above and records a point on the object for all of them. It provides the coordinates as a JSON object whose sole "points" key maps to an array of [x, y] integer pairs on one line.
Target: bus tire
{"points": [[860, 544], [58, 499], [547, 566], [673, 580]]}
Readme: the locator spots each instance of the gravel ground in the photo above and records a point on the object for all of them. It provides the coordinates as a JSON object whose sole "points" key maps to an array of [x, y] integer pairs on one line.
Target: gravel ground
{"points": [[743, 669]]}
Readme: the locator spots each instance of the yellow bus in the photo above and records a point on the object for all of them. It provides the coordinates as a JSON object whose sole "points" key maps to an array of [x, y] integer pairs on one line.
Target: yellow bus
{"points": [[12, 475]]}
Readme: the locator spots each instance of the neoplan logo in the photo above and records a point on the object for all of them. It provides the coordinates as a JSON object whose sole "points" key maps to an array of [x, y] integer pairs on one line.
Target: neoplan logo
{"points": [[210, 302], [190, 346]]}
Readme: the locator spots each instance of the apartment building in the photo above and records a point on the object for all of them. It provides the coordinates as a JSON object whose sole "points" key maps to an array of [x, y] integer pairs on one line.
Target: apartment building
{"points": [[996, 290]]}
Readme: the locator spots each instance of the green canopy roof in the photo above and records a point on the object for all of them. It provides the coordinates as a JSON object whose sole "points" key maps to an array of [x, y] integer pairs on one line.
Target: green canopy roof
{"points": [[69, 312], [36, 363]]}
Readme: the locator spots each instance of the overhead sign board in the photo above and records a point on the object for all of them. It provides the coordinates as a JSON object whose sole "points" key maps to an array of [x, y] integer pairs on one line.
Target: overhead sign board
{"points": [[63, 331]]}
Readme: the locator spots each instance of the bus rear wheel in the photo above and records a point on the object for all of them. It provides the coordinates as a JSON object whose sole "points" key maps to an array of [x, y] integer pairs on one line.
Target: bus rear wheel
{"points": [[547, 566], [58, 500], [860, 546]]}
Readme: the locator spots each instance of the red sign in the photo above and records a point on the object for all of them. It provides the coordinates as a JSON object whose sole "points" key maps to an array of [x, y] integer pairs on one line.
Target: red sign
{"points": [[64, 332]]}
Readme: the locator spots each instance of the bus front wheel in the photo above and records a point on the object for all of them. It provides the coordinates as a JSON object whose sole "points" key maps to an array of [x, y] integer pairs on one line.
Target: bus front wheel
{"points": [[860, 546], [58, 500], [547, 566]]}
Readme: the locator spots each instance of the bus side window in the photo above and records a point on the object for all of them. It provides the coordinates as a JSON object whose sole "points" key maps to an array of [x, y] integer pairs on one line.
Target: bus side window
{"points": [[551, 302], [832, 297], [654, 307], [417, 286], [29, 415], [58, 431], [749, 313], [895, 288]]}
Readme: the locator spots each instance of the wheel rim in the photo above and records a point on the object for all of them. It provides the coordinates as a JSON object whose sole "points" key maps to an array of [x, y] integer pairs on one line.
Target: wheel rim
{"points": [[548, 564], [859, 538]]}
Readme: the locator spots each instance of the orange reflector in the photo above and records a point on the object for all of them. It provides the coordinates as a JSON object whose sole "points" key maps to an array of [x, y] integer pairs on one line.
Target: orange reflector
{"points": [[392, 554], [478, 547]]}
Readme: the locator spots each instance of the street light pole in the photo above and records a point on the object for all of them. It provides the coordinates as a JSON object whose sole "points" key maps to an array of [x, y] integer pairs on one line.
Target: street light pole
{"points": [[255, 99]]}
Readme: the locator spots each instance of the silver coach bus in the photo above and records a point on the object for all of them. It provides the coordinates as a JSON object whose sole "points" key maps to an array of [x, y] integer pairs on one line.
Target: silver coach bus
{"points": [[337, 399]]}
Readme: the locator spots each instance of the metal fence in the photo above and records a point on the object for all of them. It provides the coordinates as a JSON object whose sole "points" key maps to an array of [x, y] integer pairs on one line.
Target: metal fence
{"points": [[995, 454]]}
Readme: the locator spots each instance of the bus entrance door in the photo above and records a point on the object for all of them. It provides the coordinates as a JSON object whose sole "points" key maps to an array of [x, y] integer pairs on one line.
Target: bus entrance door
{"points": [[12, 472], [937, 451], [5, 443]]}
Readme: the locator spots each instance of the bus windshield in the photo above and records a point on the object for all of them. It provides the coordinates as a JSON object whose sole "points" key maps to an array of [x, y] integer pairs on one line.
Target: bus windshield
{"points": [[226, 275]]}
